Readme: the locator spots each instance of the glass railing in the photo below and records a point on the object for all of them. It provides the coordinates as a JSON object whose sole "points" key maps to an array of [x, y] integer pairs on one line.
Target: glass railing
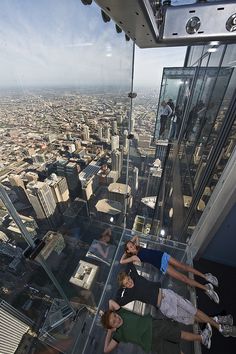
{"points": [[200, 95]]}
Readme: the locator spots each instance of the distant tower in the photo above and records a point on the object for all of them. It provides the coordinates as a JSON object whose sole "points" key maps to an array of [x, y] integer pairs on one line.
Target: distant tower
{"points": [[135, 172], [69, 136], [132, 123], [107, 133], [115, 142], [13, 325], [43, 202], [114, 127], [77, 144], [100, 132], [85, 133], [120, 119], [126, 141], [116, 161]]}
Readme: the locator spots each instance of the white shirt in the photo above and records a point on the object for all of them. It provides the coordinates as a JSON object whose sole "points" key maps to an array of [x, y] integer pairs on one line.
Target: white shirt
{"points": [[165, 111]]}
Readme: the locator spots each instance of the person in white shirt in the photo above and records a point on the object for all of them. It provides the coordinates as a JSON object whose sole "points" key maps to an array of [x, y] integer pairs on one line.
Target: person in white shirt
{"points": [[165, 113]]}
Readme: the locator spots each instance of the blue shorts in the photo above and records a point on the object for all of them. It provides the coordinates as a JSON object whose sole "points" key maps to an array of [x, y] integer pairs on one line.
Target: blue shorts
{"points": [[164, 262]]}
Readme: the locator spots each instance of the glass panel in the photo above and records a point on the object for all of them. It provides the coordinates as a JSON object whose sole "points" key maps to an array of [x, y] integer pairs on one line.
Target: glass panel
{"points": [[175, 89], [69, 87], [65, 79], [203, 95]]}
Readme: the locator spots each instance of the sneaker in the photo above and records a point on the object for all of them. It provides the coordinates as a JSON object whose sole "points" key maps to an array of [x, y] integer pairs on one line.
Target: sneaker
{"points": [[206, 336], [212, 294], [209, 286], [225, 320], [213, 280], [227, 330]]}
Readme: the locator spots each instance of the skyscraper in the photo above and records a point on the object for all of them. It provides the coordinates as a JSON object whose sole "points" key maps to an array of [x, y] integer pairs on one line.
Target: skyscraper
{"points": [[100, 132], [72, 178], [114, 127], [60, 190], [135, 178], [85, 132], [70, 171], [132, 123], [115, 142], [13, 325], [116, 161], [126, 141], [43, 202], [107, 133]]}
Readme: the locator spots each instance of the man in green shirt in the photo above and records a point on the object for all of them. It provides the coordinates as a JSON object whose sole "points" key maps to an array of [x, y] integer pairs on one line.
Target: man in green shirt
{"points": [[159, 336]]}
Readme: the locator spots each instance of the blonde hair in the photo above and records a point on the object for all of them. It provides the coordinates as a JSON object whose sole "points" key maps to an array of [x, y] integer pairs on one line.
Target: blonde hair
{"points": [[120, 278]]}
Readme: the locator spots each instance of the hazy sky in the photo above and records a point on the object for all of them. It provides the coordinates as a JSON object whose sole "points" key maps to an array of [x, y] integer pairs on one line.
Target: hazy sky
{"points": [[63, 42]]}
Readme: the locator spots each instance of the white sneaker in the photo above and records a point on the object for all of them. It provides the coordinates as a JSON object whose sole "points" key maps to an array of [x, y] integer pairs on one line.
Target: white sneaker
{"points": [[227, 330], [225, 320], [212, 279], [211, 293], [206, 336]]}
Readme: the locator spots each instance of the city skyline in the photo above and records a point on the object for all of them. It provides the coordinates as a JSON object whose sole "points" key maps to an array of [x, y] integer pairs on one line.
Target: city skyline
{"points": [[52, 44]]}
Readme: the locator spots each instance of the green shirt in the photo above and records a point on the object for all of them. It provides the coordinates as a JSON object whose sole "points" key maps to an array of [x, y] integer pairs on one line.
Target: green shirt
{"points": [[135, 329]]}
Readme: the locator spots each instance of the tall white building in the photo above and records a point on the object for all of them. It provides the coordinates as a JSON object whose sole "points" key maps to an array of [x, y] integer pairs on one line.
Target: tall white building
{"points": [[13, 325], [132, 123], [116, 161], [126, 141], [85, 133], [43, 202], [100, 132], [107, 133], [114, 127], [59, 190], [135, 176], [115, 142]]}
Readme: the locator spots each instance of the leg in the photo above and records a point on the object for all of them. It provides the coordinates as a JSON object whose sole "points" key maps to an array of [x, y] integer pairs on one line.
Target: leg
{"points": [[163, 123], [190, 337], [185, 267], [179, 276], [161, 126], [177, 308], [202, 317]]}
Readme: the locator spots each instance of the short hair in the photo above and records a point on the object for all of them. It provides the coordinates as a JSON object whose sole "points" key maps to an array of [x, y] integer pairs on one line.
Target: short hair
{"points": [[105, 319], [120, 278], [126, 247]]}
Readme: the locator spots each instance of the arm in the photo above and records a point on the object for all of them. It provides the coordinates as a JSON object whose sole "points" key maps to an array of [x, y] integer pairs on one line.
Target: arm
{"points": [[131, 270], [99, 248], [110, 344], [131, 259], [169, 111], [113, 305], [135, 239]]}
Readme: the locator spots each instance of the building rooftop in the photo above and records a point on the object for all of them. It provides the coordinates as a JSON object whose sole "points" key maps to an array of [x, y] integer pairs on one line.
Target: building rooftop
{"points": [[119, 188], [108, 206]]}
